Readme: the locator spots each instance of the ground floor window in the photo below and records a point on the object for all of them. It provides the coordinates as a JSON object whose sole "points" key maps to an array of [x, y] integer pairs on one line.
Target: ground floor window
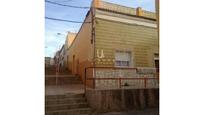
{"points": [[122, 58]]}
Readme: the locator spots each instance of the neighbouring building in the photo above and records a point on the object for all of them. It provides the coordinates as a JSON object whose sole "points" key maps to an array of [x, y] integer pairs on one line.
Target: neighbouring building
{"points": [[47, 61], [61, 58], [56, 58], [52, 62], [115, 36], [69, 39], [49, 66]]}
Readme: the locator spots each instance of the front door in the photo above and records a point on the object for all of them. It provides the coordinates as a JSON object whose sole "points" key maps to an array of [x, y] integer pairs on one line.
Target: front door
{"points": [[77, 67], [157, 65], [73, 65]]}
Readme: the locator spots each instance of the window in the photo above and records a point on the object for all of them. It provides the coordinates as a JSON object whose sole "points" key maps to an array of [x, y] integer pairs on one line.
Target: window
{"points": [[122, 58]]}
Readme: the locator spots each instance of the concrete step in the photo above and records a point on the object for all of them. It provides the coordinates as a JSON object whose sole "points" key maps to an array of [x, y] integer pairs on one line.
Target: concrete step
{"points": [[65, 101], [62, 80], [68, 80], [66, 75], [53, 82], [82, 111], [65, 106], [65, 96]]}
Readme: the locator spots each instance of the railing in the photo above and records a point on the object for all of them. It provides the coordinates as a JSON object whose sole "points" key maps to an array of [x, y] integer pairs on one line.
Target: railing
{"points": [[112, 77]]}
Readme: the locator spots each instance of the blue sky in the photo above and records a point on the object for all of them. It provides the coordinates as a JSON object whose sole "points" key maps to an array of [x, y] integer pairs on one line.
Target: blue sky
{"points": [[53, 40]]}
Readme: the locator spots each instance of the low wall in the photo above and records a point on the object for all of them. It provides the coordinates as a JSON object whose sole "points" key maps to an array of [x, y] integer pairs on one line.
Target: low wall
{"points": [[122, 99], [129, 76]]}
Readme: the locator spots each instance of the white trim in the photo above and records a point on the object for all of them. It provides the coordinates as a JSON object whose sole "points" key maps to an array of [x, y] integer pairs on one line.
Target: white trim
{"points": [[156, 58], [129, 21], [130, 54]]}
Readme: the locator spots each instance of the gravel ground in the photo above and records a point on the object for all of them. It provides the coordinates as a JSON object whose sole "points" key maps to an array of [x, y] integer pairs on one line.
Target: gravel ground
{"points": [[154, 111]]}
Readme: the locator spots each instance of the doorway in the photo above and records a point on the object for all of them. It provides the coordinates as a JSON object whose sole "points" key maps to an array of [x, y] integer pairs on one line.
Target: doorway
{"points": [[156, 65], [73, 65], [77, 67], [156, 61]]}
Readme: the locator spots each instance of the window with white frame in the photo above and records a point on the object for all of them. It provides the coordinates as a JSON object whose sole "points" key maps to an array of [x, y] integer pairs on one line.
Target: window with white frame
{"points": [[122, 58]]}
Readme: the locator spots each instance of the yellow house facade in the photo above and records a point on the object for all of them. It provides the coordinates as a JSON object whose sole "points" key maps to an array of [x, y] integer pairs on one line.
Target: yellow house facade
{"points": [[115, 36]]}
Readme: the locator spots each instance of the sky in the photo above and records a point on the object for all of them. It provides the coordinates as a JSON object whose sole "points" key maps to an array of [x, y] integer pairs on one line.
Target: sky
{"points": [[56, 31]]}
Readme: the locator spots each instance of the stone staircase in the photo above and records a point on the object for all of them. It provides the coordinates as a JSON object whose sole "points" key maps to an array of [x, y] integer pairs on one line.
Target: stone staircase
{"points": [[51, 70], [64, 94], [62, 79], [66, 104]]}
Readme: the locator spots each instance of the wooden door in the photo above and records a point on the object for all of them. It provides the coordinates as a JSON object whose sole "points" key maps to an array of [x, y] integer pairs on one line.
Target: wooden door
{"points": [[73, 65]]}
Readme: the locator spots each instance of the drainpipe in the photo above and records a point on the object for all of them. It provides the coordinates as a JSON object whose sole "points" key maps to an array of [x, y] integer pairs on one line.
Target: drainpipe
{"points": [[95, 5], [157, 15]]}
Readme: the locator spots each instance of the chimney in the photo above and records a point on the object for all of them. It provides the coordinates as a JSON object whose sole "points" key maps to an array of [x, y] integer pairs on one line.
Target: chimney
{"points": [[71, 37], [139, 11], [96, 3]]}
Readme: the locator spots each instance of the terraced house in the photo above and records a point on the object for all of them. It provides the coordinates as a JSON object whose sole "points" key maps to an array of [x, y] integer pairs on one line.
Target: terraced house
{"points": [[69, 39], [111, 37]]}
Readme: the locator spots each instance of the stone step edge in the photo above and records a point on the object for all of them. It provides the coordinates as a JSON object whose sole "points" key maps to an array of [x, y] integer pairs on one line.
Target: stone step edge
{"points": [[78, 109], [65, 99], [55, 105], [54, 78], [77, 103], [64, 96], [65, 102], [55, 98], [62, 76], [67, 94], [70, 81], [66, 82]]}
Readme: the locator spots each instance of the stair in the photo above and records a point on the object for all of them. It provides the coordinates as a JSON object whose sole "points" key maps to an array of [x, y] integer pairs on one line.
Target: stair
{"points": [[51, 70], [67, 104], [62, 79]]}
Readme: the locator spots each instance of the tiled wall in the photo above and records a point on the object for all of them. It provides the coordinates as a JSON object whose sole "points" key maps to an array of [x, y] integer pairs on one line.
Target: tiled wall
{"points": [[130, 73]]}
